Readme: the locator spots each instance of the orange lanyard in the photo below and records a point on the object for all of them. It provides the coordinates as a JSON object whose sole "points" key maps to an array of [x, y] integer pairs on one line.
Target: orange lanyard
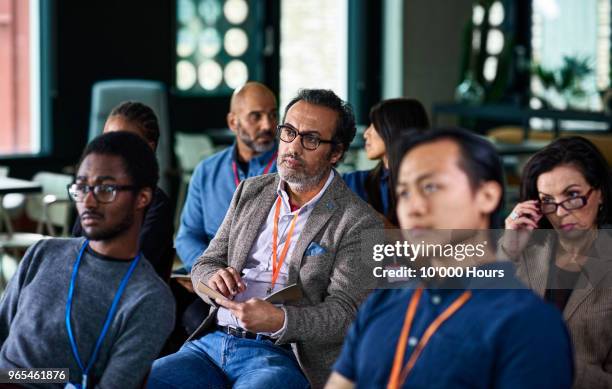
{"points": [[398, 375], [266, 169], [278, 262]]}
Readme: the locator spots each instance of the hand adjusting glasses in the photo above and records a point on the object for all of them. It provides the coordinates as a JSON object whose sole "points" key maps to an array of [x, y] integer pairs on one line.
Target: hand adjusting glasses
{"points": [[309, 140], [103, 193]]}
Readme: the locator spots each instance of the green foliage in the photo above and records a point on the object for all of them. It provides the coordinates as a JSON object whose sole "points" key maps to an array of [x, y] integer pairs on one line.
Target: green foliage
{"points": [[567, 80], [547, 77]]}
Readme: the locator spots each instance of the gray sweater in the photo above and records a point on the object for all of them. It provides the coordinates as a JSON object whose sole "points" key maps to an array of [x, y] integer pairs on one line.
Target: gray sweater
{"points": [[33, 307]]}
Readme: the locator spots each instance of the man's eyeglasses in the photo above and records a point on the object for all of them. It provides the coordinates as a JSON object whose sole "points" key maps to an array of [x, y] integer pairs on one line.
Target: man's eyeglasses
{"points": [[309, 140], [569, 204], [103, 193]]}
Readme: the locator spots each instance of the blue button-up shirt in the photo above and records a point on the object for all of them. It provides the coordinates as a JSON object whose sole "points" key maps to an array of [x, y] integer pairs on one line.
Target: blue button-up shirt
{"points": [[498, 339], [357, 182], [210, 194]]}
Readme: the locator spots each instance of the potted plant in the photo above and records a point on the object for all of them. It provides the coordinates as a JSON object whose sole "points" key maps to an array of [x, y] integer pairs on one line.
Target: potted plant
{"points": [[564, 87]]}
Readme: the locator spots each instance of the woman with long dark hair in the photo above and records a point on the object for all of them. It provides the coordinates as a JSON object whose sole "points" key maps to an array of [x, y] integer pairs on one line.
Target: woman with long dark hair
{"points": [[566, 189], [388, 120]]}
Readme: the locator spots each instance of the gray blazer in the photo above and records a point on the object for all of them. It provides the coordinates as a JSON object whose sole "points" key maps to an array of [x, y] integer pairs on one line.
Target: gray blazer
{"points": [[588, 313], [333, 282]]}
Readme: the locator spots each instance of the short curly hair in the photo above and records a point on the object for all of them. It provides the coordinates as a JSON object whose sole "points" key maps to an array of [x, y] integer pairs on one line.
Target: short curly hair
{"points": [[137, 157]]}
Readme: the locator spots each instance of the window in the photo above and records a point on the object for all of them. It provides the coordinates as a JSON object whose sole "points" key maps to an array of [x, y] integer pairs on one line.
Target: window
{"points": [[20, 88], [218, 45], [571, 47], [313, 47]]}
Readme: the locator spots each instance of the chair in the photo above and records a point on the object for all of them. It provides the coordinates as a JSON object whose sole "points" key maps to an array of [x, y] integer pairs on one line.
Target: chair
{"points": [[12, 203], [108, 94], [53, 207], [189, 149], [515, 135], [50, 209]]}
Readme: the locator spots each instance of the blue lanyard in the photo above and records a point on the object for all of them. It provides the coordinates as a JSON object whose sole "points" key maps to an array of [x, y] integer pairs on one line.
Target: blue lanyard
{"points": [[109, 315]]}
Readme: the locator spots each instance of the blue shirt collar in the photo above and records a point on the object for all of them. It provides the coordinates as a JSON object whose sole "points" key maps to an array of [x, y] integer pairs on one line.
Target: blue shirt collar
{"points": [[260, 160]]}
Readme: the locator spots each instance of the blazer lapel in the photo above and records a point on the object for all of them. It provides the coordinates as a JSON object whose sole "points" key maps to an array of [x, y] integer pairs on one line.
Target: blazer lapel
{"points": [[248, 233], [576, 298], [592, 274], [538, 264], [322, 212]]}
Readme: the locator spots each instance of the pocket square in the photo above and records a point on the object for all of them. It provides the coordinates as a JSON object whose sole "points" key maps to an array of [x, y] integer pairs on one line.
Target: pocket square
{"points": [[314, 249]]}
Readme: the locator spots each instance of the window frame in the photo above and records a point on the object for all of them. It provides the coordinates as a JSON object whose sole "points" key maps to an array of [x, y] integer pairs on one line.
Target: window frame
{"points": [[41, 72]]}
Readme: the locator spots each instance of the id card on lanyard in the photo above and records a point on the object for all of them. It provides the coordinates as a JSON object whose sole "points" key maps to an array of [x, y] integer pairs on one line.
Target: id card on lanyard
{"points": [[109, 318], [277, 262]]}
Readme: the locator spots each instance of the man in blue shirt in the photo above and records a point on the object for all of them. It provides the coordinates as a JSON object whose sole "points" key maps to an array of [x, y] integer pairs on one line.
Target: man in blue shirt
{"points": [[253, 117], [472, 335]]}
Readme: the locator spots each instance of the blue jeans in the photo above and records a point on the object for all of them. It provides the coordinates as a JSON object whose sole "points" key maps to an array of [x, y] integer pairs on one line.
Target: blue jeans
{"points": [[218, 360]]}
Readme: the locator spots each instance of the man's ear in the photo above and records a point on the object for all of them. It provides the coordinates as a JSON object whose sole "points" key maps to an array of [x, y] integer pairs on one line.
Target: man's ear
{"points": [[488, 196], [144, 198], [232, 121], [336, 154]]}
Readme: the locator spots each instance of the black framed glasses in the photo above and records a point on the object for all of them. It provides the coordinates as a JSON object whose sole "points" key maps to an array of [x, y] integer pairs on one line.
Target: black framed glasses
{"points": [[309, 140], [103, 193], [569, 204]]}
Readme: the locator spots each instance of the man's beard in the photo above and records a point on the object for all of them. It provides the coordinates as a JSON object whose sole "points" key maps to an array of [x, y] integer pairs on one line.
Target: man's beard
{"points": [[301, 181], [111, 232], [251, 142]]}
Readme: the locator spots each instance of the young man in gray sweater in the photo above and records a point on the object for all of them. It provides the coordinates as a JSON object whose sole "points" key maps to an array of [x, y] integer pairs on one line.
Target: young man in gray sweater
{"points": [[93, 305]]}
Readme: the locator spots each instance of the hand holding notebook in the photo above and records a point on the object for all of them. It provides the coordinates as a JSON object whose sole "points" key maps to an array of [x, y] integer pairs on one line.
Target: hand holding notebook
{"points": [[290, 293]]}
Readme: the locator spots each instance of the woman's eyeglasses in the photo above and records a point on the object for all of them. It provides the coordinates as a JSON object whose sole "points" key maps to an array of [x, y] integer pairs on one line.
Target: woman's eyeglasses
{"points": [[569, 204]]}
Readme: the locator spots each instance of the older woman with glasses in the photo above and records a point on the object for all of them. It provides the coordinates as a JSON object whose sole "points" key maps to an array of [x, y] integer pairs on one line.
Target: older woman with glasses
{"points": [[566, 188]]}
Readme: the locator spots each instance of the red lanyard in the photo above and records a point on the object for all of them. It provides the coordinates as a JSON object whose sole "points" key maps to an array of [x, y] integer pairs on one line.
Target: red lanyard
{"points": [[266, 170], [399, 374], [278, 262]]}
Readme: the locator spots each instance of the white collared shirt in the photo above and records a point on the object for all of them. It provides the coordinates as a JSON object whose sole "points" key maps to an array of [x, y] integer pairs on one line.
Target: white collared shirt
{"points": [[257, 274]]}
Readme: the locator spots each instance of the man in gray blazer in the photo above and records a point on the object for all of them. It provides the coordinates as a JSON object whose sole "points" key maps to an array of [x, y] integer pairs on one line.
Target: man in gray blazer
{"points": [[301, 226]]}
